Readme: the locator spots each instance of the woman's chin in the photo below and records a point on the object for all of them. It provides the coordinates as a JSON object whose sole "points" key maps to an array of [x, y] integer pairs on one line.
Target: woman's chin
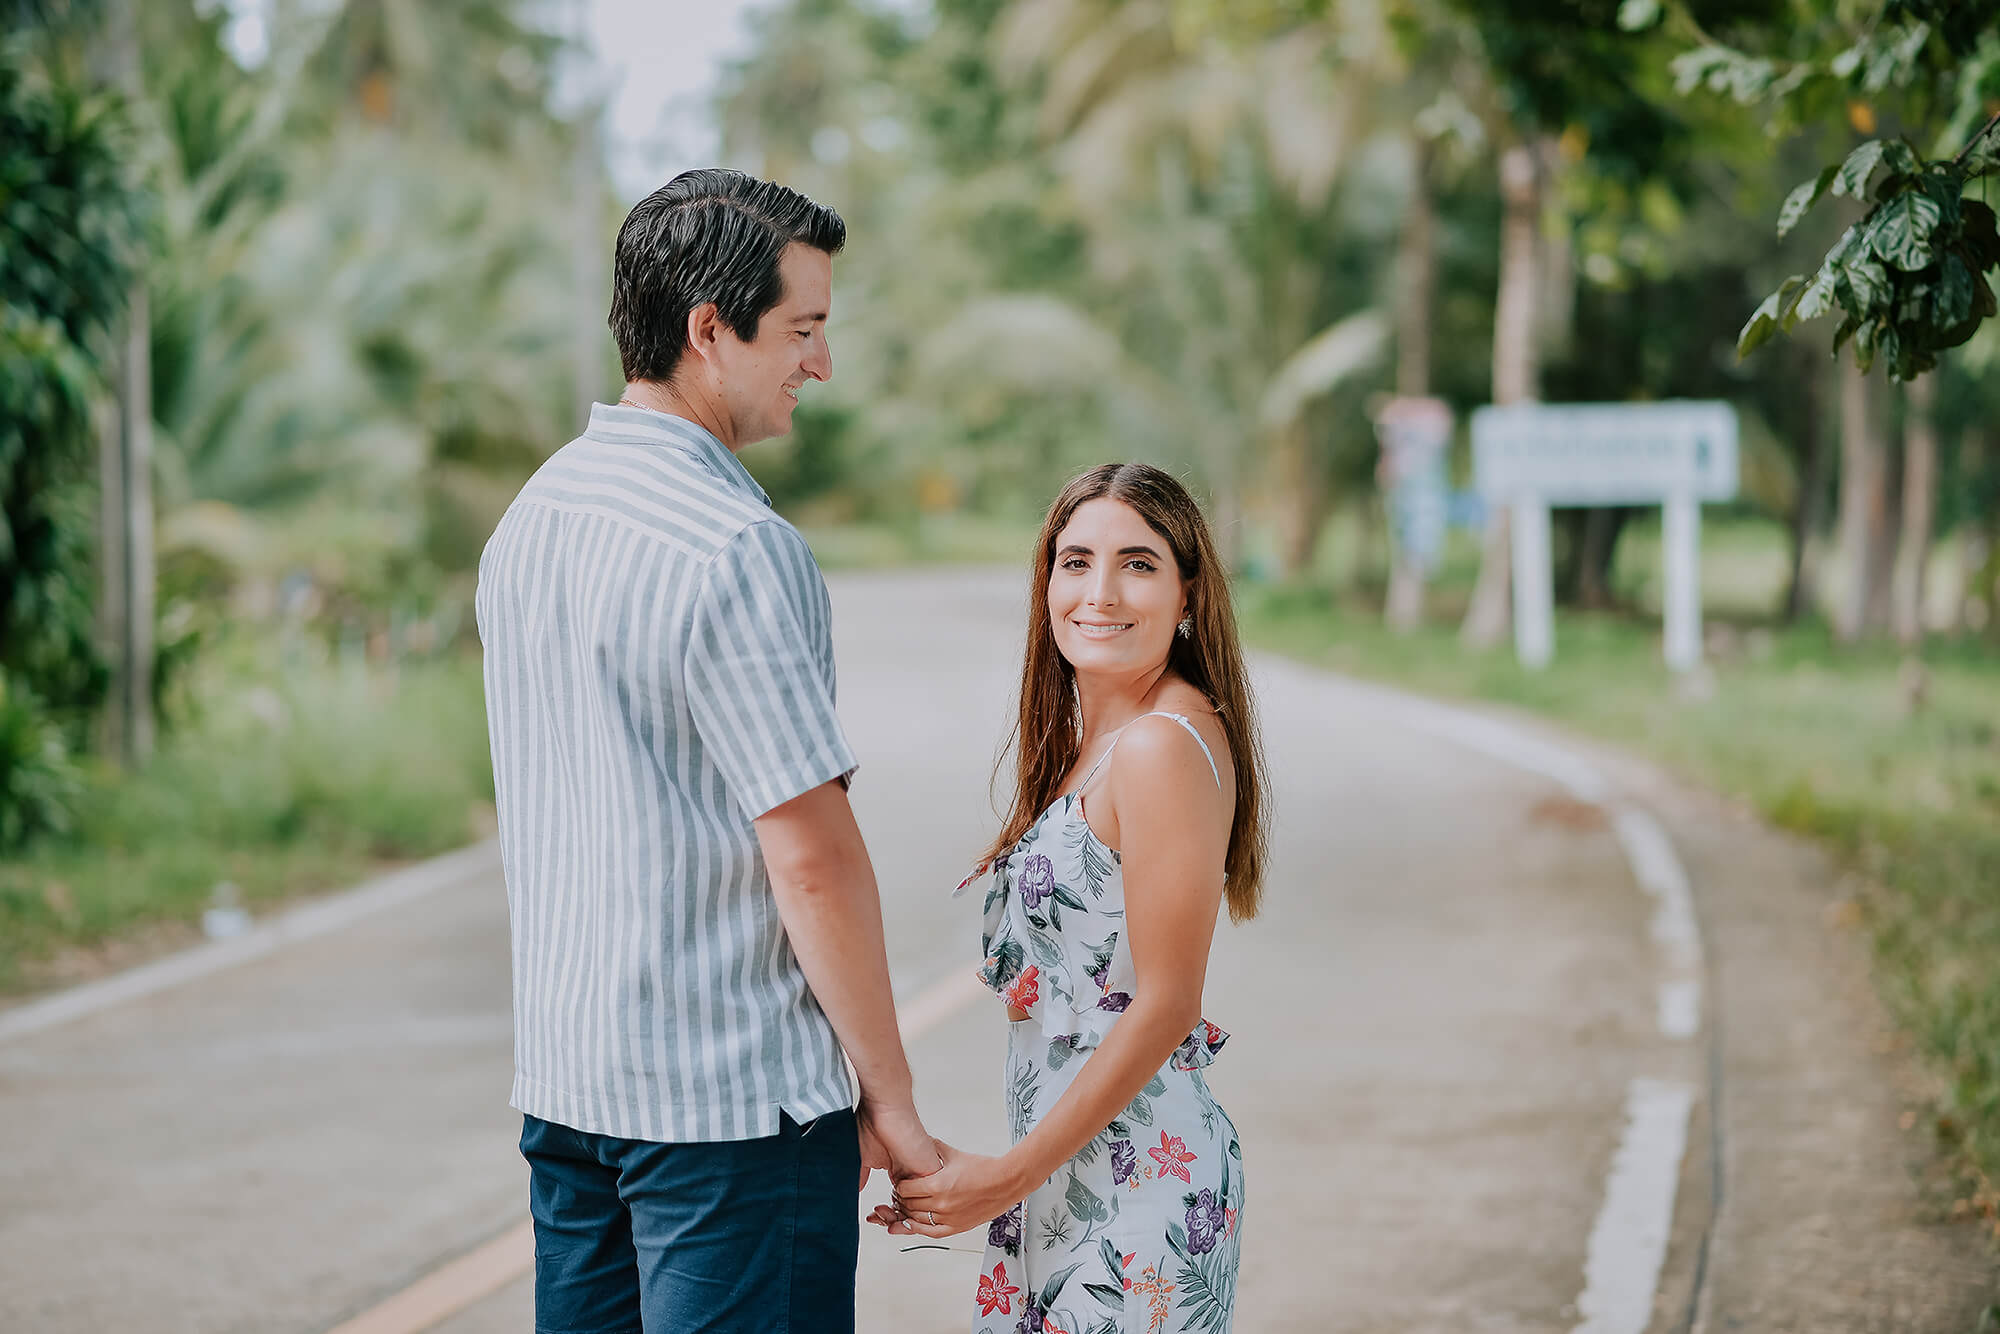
{"points": [[1108, 660]]}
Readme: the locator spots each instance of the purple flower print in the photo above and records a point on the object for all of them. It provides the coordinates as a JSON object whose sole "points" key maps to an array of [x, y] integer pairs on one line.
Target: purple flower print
{"points": [[1115, 1001], [1037, 880], [1204, 1222], [1005, 1231], [1188, 1055], [1124, 1160], [1031, 1317]]}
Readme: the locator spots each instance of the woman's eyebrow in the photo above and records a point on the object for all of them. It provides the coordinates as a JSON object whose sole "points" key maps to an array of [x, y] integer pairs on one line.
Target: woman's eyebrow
{"points": [[1138, 551], [1077, 548]]}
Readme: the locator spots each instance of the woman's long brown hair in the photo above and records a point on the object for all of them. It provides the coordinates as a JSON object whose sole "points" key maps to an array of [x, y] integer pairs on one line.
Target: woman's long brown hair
{"points": [[1048, 733]]}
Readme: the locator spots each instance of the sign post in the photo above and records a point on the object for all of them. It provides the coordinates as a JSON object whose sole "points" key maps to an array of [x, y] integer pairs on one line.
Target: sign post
{"points": [[1531, 456]]}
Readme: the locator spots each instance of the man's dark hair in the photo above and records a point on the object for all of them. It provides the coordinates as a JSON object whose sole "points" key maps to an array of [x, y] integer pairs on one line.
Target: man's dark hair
{"points": [[708, 235]]}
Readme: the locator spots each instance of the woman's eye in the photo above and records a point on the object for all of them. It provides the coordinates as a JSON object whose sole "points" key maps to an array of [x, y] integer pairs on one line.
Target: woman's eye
{"points": [[1141, 565], [1073, 563]]}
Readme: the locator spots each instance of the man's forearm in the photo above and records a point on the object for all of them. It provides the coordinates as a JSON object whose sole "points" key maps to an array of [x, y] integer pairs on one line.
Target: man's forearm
{"points": [[835, 931], [826, 896]]}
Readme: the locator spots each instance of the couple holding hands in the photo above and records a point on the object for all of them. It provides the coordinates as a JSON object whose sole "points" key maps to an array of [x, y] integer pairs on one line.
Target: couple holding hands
{"points": [[697, 935]]}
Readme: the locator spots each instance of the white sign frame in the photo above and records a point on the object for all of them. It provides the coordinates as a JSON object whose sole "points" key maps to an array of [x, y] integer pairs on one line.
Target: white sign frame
{"points": [[1675, 454]]}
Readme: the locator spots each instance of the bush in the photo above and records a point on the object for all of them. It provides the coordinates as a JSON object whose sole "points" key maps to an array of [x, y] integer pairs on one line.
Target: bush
{"points": [[38, 783]]}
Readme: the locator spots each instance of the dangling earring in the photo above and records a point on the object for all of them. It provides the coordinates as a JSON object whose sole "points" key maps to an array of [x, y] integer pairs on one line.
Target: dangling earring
{"points": [[1187, 627]]}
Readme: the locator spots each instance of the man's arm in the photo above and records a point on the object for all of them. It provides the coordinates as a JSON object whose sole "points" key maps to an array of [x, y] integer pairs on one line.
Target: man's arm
{"points": [[825, 889]]}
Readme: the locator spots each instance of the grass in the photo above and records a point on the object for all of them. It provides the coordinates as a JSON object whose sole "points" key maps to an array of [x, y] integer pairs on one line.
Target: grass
{"points": [[291, 773], [1820, 738]]}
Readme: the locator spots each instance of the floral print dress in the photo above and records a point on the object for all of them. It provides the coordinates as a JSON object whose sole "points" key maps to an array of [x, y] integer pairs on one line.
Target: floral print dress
{"points": [[1139, 1233]]}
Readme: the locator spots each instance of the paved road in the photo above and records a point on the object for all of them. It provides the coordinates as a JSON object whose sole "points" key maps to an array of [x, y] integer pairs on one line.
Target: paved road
{"points": [[1438, 1021]]}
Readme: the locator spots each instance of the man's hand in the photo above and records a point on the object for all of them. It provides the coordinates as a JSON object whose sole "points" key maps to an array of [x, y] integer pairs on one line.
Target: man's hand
{"points": [[894, 1139]]}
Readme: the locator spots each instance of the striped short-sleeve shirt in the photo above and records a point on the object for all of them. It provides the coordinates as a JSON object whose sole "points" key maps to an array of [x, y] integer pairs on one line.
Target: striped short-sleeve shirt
{"points": [[659, 672]]}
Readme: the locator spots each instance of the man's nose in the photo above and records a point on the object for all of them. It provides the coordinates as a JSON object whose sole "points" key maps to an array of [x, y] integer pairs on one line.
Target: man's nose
{"points": [[819, 359]]}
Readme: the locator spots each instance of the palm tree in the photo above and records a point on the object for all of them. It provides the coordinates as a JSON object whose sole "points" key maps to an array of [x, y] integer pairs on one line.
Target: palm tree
{"points": [[1207, 179]]}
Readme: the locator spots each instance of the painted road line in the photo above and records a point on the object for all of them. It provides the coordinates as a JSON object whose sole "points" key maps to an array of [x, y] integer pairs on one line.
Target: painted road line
{"points": [[1660, 874], [317, 918], [480, 1273], [444, 1292], [1628, 1244]]}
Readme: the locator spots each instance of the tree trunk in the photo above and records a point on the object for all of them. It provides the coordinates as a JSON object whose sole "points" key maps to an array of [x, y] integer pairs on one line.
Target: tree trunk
{"points": [[1516, 375], [1302, 508], [1601, 528], [125, 476], [1416, 287], [1972, 540], [1416, 280], [1864, 505], [1811, 498], [1888, 532], [1919, 507]]}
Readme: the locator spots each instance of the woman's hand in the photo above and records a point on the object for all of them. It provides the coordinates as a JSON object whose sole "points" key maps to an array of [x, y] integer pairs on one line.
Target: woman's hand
{"points": [[969, 1191]]}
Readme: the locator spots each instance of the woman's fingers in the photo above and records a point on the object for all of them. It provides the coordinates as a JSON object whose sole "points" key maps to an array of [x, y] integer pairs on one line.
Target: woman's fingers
{"points": [[917, 1228]]}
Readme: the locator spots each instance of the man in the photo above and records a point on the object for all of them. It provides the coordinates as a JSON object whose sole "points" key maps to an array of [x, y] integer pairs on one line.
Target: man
{"points": [[697, 934]]}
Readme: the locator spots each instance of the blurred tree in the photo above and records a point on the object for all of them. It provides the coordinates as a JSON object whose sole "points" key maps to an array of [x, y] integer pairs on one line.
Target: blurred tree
{"points": [[70, 223]]}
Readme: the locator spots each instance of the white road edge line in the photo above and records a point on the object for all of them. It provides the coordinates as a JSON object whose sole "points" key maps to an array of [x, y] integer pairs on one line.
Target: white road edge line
{"points": [[1628, 1244], [486, 1269], [317, 918]]}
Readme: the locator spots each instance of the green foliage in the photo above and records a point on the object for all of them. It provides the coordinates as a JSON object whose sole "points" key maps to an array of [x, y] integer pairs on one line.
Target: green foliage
{"points": [[290, 772], [69, 227], [1910, 276], [39, 784]]}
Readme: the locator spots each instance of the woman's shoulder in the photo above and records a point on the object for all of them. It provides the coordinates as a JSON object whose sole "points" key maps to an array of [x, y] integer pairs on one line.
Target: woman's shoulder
{"points": [[1161, 737]]}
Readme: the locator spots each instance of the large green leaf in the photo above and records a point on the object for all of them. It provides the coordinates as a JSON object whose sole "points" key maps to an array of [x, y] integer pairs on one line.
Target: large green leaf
{"points": [[1804, 197], [1763, 322], [1852, 178], [1817, 298], [1901, 234], [1869, 281]]}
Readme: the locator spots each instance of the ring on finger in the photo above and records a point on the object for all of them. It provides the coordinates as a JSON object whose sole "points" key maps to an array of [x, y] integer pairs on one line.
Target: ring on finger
{"points": [[931, 1216]]}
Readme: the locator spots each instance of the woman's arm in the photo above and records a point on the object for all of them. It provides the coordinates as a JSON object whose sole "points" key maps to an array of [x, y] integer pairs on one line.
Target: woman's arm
{"points": [[1174, 826]]}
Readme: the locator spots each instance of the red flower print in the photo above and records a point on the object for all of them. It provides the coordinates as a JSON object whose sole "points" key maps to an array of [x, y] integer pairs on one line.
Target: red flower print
{"points": [[1024, 990], [1173, 1157], [995, 1292], [1214, 1034], [1125, 1262], [1051, 1327]]}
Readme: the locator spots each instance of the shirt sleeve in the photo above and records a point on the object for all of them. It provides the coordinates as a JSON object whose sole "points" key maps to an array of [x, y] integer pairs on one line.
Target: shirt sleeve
{"points": [[759, 670]]}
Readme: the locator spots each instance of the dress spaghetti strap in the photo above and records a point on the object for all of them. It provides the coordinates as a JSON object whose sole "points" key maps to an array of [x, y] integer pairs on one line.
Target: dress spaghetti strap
{"points": [[1206, 753]]}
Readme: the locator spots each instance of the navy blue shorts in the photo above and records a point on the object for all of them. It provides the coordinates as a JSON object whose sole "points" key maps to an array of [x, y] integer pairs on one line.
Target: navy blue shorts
{"points": [[752, 1236]]}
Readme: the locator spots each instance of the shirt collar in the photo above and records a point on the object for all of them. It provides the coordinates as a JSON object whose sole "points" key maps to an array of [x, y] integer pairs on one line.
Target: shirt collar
{"points": [[624, 423]]}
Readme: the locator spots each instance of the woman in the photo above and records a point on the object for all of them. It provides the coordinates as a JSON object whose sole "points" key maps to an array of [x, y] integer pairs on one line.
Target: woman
{"points": [[1137, 809]]}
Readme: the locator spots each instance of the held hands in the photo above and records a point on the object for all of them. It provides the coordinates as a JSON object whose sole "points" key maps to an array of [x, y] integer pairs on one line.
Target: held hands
{"points": [[969, 1190], [893, 1139]]}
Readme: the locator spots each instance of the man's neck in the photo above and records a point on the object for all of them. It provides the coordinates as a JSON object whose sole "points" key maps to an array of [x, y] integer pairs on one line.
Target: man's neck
{"points": [[688, 404]]}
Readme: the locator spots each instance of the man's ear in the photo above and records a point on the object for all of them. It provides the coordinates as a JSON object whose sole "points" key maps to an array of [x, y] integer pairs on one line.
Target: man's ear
{"points": [[704, 325]]}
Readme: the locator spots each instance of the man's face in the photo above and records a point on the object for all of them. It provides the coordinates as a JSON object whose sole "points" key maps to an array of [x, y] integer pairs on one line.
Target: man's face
{"points": [[759, 380]]}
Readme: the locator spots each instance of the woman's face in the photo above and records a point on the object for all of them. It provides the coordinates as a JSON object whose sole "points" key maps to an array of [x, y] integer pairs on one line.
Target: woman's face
{"points": [[1115, 591]]}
